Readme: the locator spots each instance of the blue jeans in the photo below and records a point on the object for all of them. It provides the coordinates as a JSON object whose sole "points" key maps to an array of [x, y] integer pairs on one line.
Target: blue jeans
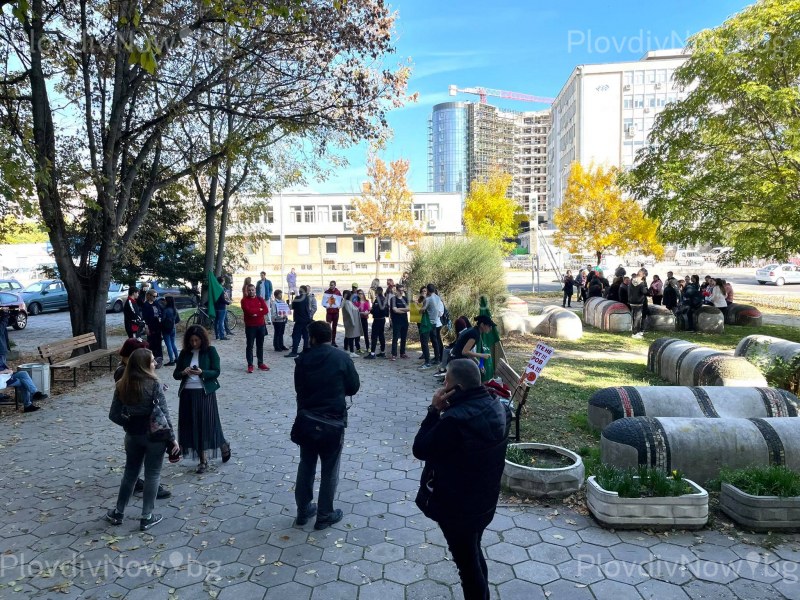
{"points": [[172, 349], [139, 450], [329, 479], [219, 323], [25, 386]]}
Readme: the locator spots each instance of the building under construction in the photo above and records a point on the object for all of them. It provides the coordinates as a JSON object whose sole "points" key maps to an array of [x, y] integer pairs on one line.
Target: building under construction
{"points": [[467, 141]]}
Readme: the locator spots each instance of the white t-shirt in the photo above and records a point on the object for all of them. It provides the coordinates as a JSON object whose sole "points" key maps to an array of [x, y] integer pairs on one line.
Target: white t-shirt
{"points": [[193, 382]]}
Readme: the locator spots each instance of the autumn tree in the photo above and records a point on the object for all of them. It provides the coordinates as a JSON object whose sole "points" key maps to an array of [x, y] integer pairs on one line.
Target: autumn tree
{"points": [[385, 207], [14, 230], [594, 216], [490, 214], [95, 93], [723, 165]]}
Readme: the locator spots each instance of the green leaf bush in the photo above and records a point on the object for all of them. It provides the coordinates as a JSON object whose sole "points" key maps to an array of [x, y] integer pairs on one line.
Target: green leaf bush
{"points": [[643, 482]]}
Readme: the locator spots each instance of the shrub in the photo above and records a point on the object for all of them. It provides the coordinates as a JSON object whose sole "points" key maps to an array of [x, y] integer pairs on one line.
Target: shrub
{"points": [[464, 270], [763, 481], [641, 482]]}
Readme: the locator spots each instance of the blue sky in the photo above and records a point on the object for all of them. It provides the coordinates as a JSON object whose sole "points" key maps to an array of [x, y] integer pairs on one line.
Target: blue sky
{"points": [[527, 46]]}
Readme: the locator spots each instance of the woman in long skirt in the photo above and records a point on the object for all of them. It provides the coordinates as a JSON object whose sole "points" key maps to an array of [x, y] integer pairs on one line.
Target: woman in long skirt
{"points": [[199, 427]]}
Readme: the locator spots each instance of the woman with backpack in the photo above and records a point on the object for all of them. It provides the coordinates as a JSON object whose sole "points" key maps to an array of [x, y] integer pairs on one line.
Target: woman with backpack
{"points": [[169, 321]]}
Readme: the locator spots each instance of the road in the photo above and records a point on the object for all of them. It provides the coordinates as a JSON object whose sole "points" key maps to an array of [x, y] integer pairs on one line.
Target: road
{"points": [[743, 280], [50, 327]]}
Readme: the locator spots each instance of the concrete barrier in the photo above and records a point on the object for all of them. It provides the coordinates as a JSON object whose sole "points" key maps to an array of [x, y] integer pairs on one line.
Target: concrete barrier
{"points": [[517, 305], [607, 315], [743, 314], [613, 403], [553, 321], [684, 363], [699, 448], [659, 318], [768, 347]]}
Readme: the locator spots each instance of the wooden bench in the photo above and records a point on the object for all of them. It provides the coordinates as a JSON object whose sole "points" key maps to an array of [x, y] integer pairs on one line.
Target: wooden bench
{"points": [[519, 391], [87, 340]]}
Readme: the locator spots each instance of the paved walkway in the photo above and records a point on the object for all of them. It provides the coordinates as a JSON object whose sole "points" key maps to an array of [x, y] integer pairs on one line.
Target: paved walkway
{"points": [[228, 533]]}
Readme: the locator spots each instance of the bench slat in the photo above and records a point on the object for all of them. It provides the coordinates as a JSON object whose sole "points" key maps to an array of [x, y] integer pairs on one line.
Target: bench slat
{"points": [[63, 346], [519, 394], [83, 359]]}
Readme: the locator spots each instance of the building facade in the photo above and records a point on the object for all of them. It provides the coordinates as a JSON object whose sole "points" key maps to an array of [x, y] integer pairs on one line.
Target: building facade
{"points": [[314, 234], [467, 141], [604, 114]]}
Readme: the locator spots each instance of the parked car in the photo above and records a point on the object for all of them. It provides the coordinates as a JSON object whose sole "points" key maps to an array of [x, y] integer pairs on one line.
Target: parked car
{"points": [[688, 257], [14, 302], [117, 294], [45, 295], [779, 274], [10, 285], [183, 296]]}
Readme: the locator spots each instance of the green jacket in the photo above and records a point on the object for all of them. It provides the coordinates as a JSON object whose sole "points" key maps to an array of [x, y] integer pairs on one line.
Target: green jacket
{"points": [[208, 362]]}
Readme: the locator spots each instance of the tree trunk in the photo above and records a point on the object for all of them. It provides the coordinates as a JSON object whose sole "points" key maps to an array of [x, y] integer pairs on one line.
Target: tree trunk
{"points": [[599, 256], [377, 257], [223, 221], [211, 225]]}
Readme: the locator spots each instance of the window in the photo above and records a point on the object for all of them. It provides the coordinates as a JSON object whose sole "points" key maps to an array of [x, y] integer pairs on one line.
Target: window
{"points": [[330, 246], [337, 214], [323, 214], [433, 212], [651, 101], [303, 246], [269, 215], [627, 77], [661, 76], [386, 245], [297, 214], [308, 214], [627, 102], [359, 247], [305, 267], [275, 248], [638, 77], [419, 212], [651, 77], [638, 101], [349, 211]]}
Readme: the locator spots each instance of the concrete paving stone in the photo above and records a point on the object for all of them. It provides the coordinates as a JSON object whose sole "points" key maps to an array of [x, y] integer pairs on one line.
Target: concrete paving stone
{"points": [[427, 554], [658, 590], [669, 572], [247, 590], [228, 511], [347, 553], [638, 538], [183, 576], [625, 572], [404, 572], [754, 553], [209, 539], [580, 572], [299, 556], [673, 553], [316, 573], [429, 590], [706, 590], [567, 589], [373, 485], [613, 590], [548, 553], [371, 508], [524, 538], [420, 522], [393, 496], [517, 589], [386, 521], [272, 574], [719, 539], [405, 537], [335, 590], [713, 571], [631, 553], [446, 572], [391, 475], [789, 551], [406, 485], [559, 536], [788, 570], [506, 553], [756, 571], [531, 520], [110, 590], [286, 538], [599, 536], [498, 572], [491, 537], [229, 574], [754, 590], [590, 553], [257, 556], [404, 508], [292, 590], [369, 536], [220, 554], [714, 553], [152, 591], [536, 572], [790, 588], [501, 522]]}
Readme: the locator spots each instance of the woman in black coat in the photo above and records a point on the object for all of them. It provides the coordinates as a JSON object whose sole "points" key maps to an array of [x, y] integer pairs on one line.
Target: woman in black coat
{"points": [[569, 289]]}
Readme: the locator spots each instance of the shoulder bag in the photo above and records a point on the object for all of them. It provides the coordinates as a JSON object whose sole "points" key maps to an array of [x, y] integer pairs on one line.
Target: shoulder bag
{"points": [[160, 429]]}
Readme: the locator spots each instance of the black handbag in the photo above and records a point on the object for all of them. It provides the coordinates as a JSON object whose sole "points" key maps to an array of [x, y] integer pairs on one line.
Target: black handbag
{"points": [[316, 431]]}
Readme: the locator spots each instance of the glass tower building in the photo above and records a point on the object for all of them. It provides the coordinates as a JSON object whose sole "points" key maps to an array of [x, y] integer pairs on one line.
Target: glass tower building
{"points": [[447, 148]]}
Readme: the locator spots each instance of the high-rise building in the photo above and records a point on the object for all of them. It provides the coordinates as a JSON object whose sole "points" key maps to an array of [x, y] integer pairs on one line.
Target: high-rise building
{"points": [[604, 114], [467, 141]]}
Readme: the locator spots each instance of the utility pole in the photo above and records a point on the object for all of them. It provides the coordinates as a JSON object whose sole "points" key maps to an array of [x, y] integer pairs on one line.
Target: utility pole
{"points": [[534, 237], [280, 217]]}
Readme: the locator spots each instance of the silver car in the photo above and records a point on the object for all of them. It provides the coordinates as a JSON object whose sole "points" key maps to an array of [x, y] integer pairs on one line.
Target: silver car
{"points": [[778, 274], [117, 294]]}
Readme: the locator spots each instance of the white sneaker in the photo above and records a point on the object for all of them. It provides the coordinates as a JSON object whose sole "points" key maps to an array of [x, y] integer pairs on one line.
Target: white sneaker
{"points": [[353, 355]]}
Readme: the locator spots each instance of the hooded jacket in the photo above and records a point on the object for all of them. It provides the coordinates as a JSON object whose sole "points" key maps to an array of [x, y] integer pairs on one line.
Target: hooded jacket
{"points": [[323, 376], [464, 450]]}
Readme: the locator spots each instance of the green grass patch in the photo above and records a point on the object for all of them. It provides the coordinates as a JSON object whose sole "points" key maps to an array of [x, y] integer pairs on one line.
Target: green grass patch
{"points": [[762, 481], [643, 482]]}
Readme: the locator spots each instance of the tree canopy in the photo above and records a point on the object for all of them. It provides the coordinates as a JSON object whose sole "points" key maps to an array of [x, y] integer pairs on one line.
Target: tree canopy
{"points": [[723, 165], [594, 216], [490, 214]]}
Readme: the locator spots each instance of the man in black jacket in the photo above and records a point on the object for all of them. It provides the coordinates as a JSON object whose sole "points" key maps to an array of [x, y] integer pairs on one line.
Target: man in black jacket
{"points": [[301, 313], [131, 313], [637, 300], [463, 443], [323, 376]]}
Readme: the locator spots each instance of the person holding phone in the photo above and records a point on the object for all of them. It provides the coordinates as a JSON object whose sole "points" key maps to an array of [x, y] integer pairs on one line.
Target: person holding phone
{"points": [[199, 427], [463, 443], [470, 343]]}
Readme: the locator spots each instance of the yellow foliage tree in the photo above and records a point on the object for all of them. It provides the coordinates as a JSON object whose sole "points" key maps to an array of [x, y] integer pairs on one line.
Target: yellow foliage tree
{"points": [[596, 218], [489, 214], [385, 207]]}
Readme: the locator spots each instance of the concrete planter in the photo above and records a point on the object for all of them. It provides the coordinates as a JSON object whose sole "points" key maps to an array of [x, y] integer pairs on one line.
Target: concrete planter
{"points": [[539, 483], [686, 512], [760, 513]]}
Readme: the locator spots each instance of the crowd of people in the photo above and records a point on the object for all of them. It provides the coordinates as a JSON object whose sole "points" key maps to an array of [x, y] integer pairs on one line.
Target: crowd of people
{"points": [[681, 295]]}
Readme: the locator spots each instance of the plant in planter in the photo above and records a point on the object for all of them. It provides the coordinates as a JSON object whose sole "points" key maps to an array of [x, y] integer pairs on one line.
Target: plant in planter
{"points": [[761, 498], [646, 497], [542, 470]]}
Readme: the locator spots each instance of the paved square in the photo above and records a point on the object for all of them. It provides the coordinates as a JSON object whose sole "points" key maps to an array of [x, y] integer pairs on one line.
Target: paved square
{"points": [[228, 533]]}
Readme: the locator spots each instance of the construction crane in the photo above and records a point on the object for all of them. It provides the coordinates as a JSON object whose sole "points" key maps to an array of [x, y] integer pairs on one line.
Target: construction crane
{"points": [[483, 92]]}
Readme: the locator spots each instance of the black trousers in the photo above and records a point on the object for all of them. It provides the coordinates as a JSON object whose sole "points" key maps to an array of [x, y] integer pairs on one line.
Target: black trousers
{"points": [[365, 329], [378, 325], [255, 334], [277, 334], [436, 342], [567, 301], [299, 331], [154, 343], [464, 541], [399, 332]]}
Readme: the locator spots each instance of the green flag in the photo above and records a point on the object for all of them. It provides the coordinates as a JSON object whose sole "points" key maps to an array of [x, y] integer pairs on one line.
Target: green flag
{"points": [[215, 290]]}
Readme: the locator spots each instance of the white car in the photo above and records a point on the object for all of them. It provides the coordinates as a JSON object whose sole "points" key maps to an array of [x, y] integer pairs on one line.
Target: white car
{"points": [[688, 257], [779, 274]]}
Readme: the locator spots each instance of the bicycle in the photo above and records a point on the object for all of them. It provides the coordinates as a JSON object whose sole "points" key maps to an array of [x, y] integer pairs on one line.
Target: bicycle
{"points": [[202, 318]]}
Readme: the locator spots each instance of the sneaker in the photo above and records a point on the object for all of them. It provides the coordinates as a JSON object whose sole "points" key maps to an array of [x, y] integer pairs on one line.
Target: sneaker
{"points": [[31, 408], [263, 367], [153, 519], [114, 517], [303, 519], [353, 355], [427, 365], [393, 358], [39, 396], [222, 339], [421, 357], [359, 351], [170, 364], [404, 356], [333, 518], [439, 375], [370, 356], [249, 368], [291, 355], [162, 493], [381, 355]]}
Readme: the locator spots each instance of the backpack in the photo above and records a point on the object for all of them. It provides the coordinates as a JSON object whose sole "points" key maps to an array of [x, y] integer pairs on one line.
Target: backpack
{"points": [[445, 317]]}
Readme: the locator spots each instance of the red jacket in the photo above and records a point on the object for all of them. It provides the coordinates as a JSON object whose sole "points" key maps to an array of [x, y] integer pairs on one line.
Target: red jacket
{"points": [[254, 309]]}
